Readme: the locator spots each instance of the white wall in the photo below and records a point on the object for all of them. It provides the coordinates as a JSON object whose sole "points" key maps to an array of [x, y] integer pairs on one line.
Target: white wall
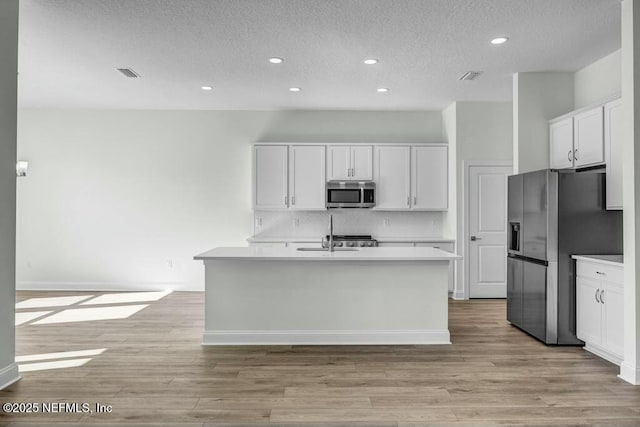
{"points": [[8, 107], [537, 98], [124, 199], [483, 131], [630, 367], [597, 80]]}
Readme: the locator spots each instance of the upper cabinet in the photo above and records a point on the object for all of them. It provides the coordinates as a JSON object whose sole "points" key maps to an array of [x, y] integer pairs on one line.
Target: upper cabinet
{"points": [[270, 177], [588, 138], [613, 152], [561, 143], [307, 177], [391, 172], [577, 140], [411, 177], [294, 176], [429, 169], [345, 163], [289, 177]]}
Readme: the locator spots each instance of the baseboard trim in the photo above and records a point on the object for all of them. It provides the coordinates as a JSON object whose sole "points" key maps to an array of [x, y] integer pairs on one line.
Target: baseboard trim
{"points": [[606, 355], [9, 375], [458, 295], [320, 337], [629, 374], [107, 286]]}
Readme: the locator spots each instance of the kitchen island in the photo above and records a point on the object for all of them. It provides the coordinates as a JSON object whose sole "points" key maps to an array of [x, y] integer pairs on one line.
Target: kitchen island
{"points": [[276, 295]]}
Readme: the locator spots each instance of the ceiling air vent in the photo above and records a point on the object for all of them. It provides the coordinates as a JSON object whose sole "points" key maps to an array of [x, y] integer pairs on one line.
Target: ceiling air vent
{"points": [[128, 72], [470, 75]]}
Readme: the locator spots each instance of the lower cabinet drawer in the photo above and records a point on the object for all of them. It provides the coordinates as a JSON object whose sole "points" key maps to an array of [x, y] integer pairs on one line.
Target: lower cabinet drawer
{"points": [[596, 271], [445, 246]]}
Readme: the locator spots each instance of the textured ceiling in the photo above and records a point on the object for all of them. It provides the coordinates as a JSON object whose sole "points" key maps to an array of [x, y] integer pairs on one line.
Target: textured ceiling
{"points": [[69, 50]]}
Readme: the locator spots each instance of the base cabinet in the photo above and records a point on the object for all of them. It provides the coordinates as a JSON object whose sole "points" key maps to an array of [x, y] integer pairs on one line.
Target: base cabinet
{"points": [[600, 309]]}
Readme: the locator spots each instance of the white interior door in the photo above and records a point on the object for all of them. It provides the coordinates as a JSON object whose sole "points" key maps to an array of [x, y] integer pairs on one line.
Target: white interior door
{"points": [[488, 231]]}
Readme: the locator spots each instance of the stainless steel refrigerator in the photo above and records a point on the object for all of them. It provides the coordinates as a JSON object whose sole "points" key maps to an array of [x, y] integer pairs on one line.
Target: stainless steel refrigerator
{"points": [[553, 215]]}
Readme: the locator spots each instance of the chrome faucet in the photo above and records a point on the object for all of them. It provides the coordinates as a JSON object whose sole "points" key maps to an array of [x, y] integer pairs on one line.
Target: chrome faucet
{"points": [[331, 233]]}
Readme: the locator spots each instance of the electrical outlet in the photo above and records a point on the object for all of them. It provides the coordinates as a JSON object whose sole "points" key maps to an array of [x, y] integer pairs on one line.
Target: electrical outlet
{"points": [[387, 222], [296, 222], [170, 263], [258, 222]]}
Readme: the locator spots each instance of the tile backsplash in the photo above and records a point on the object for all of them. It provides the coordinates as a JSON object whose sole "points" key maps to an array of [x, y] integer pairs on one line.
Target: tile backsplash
{"points": [[347, 221]]}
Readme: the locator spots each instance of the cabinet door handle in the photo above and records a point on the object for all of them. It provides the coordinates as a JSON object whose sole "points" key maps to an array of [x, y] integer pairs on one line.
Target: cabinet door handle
{"points": [[353, 172], [408, 200], [597, 294], [415, 200], [569, 156], [285, 200], [575, 154], [293, 200], [601, 273], [602, 296]]}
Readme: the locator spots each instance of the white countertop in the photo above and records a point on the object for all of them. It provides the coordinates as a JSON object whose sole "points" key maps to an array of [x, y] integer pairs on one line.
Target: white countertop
{"points": [[362, 254], [616, 260], [316, 239]]}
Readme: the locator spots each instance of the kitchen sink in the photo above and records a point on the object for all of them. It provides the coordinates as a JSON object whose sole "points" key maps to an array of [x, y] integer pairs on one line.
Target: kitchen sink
{"points": [[326, 249]]}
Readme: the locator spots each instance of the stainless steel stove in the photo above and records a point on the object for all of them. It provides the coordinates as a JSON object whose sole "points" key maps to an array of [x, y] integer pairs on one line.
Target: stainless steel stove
{"points": [[350, 240]]}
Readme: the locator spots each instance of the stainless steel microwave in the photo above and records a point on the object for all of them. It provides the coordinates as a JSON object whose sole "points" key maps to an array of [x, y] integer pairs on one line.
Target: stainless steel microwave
{"points": [[351, 194]]}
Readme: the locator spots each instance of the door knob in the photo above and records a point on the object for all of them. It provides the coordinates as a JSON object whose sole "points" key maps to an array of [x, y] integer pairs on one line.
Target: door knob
{"points": [[474, 238]]}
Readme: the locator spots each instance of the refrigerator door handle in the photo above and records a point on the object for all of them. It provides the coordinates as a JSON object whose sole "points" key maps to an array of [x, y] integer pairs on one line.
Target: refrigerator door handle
{"points": [[569, 156], [575, 154]]}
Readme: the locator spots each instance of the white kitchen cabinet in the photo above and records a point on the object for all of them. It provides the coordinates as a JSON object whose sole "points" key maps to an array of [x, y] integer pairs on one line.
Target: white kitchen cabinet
{"points": [[613, 152], [561, 144], [588, 311], [348, 163], [391, 172], [588, 137], [307, 183], [362, 162], [338, 163], [445, 246], [612, 298], [600, 308], [270, 177], [429, 168]]}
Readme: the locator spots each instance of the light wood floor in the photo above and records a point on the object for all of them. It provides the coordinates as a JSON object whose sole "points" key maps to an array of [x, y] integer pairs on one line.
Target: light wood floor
{"points": [[155, 371]]}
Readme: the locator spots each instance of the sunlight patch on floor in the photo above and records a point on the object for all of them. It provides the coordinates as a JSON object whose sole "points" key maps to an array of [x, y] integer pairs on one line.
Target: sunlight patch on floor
{"points": [[126, 297], [51, 301], [59, 355], [57, 364], [28, 316], [88, 314]]}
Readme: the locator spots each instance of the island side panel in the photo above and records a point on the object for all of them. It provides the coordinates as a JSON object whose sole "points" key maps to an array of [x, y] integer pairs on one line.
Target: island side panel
{"points": [[344, 302]]}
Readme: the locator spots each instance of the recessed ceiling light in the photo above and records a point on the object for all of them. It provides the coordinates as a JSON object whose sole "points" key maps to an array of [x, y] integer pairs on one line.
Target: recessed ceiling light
{"points": [[206, 87], [371, 61], [295, 89], [383, 89], [500, 40], [276, 60]]}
